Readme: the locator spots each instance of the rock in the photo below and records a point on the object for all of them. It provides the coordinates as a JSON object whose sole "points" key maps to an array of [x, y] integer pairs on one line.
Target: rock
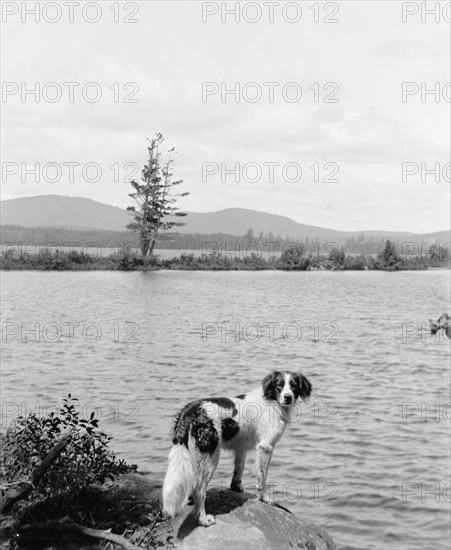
{"points": [[242, 522]]}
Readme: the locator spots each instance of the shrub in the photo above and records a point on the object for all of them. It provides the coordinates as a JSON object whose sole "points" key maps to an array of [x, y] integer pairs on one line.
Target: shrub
{"points": [[292, 258], [338, 257], [129, 261], [357, 263], [84, 461], [80, 257]]}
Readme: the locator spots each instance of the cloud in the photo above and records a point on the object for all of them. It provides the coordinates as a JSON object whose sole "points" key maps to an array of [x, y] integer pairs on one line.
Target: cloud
{"points": [[369, 133], [404, 48]]}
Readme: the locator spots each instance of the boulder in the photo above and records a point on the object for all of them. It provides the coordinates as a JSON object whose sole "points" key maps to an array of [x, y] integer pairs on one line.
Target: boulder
{"points": [[242, 522]]}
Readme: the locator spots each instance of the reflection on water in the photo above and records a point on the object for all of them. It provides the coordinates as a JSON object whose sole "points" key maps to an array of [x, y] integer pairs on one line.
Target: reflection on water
{"points": [[368, 456]]}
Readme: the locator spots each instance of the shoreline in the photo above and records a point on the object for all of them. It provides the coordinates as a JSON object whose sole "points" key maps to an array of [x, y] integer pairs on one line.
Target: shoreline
{"points": [[181, 267], [214, 269], [293, 260]]}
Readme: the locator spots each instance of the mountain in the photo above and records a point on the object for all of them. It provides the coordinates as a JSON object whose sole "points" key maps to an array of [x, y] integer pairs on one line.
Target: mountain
{"points": [[82, 213], [237, 221], [62, 211]]}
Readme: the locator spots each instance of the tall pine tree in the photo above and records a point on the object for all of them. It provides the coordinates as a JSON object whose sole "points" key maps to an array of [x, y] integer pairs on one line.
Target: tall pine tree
{"points": [[155, 198]]}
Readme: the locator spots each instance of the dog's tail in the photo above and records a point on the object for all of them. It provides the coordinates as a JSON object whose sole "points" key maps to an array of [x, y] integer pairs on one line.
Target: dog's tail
{"points": [[179, 481]]}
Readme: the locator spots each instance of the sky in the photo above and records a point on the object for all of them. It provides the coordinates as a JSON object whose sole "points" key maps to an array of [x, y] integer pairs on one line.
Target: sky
{"points": [[331, 122]]}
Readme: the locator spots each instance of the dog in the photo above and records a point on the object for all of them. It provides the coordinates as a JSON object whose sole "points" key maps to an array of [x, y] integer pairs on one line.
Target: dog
{"points": [[255, 420], [444, 323]]}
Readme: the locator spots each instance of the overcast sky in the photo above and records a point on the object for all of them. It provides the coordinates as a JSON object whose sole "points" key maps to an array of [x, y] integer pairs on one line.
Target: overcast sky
{"points": [[363, 137]]}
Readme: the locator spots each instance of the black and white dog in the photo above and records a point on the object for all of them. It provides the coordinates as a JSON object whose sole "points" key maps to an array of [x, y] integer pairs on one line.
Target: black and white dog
{"points": [[255, 420]]}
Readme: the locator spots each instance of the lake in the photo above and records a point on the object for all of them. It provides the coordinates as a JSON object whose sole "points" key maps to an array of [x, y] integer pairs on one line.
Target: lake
{"points": [[368, 457]]}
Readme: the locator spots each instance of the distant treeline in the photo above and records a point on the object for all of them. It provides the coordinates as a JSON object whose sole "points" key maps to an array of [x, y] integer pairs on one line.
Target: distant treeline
{"points": [[50, 236], [293, 258], [46, 236]]}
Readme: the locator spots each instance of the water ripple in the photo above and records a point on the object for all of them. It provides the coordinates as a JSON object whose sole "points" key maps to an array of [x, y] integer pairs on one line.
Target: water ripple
{"points": [[368, 458]]}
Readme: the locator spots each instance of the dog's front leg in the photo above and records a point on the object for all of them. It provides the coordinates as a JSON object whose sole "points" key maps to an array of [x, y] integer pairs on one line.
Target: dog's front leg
{"points": [[263, 458], [240, 461]]}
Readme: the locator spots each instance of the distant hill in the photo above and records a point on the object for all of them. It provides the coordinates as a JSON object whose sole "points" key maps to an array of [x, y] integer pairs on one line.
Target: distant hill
{"points": [[62, 211], [237, 221], [87, 214]]}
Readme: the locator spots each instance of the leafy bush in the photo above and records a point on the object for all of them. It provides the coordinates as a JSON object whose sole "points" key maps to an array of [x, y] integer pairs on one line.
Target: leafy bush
{"points": [[337, 256], [188, 259], [129, 261], [46, 259], [80, 257], [252, 261], [84, 461], [293, 258], [357, 263]]}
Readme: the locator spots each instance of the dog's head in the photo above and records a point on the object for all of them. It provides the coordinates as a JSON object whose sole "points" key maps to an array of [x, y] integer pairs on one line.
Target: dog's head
{"points": [[286, 387]]}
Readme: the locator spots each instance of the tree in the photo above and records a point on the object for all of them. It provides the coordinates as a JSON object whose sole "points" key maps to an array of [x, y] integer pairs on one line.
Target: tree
{"points": [[155, 198], [437, 252], [338, 256], [388, 257], [292, 257], [249, 236]]}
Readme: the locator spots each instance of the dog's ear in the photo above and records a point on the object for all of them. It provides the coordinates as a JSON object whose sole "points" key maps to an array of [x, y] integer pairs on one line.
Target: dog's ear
{"points": [[305, 387], [268, 384]]}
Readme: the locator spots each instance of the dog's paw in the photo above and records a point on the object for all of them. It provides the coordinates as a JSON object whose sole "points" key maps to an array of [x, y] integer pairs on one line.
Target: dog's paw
{"points": [[207, 520], [237, 487]]}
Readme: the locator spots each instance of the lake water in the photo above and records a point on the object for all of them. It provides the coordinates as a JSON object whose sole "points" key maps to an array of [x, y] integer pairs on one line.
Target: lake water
{"points": [[368, 459]]}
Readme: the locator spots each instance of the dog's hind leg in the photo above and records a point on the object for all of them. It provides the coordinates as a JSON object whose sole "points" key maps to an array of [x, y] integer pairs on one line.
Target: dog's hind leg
{"points": [[240, 461], [204, 467]]}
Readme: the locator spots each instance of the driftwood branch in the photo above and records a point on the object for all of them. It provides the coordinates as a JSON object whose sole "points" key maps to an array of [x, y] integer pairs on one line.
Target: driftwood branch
{"points": [[58, 531], [25, 489]]}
